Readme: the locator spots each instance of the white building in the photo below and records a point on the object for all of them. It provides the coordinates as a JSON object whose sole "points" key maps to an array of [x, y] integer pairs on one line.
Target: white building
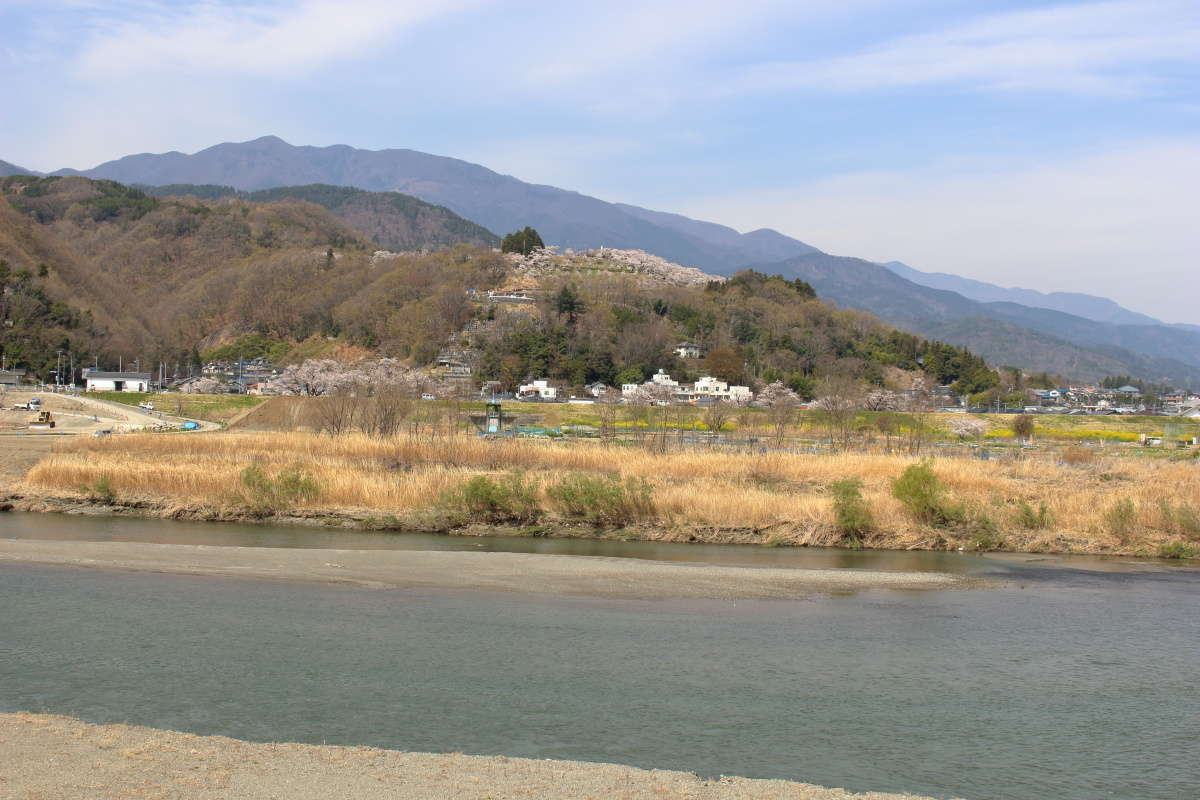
{"points": [[542, 390], [688, 350], [663, 379], [740, 394], [709, 386], [98, 381]]}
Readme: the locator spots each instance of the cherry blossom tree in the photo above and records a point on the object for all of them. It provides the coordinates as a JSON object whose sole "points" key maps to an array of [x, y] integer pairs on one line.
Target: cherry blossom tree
{"points": [[965, 427], [881, 400], [204, 386]]}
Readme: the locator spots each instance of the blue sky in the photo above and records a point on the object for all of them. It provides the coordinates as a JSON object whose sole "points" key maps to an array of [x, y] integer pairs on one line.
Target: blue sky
{"points": [[1049, 145]]}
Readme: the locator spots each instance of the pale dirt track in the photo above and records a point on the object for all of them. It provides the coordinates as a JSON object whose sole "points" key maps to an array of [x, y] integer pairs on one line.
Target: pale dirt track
{"points": [[508, 572], [21, 448], [57, 758]]}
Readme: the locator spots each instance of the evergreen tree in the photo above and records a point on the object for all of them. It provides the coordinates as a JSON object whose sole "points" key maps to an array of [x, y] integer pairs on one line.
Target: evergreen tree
{"points": [[567, 302], [523, 241]]}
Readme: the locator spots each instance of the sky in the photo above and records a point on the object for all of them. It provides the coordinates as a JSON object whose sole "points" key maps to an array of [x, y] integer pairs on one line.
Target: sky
{"points": [[1054, 146]]}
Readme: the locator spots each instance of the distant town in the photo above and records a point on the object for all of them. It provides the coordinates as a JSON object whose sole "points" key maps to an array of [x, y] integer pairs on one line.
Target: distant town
{"points": [[453, 376]]}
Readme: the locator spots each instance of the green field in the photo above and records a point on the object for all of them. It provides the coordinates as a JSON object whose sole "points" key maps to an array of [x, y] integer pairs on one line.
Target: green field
{"points": [[211, 407], [1058, 427]]}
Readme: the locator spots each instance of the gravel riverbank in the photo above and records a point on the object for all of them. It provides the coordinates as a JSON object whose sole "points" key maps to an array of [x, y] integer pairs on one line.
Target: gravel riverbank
{"points": [[59, 758]]}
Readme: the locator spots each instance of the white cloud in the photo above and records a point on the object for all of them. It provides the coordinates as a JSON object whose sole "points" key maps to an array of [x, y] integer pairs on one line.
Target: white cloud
{"points": [[1103, 48], [273, 38], [1120, 223]]}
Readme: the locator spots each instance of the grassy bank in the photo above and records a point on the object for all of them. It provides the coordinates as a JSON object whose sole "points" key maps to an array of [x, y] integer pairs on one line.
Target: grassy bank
{"points": [[1094, 505]]}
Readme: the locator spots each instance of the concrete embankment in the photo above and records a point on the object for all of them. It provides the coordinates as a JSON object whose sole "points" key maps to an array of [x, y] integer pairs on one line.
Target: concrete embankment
{"points": [[509, 572], [59, 758]]}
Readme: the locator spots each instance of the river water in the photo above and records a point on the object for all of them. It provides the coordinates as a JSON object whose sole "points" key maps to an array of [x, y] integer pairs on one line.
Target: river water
{"points": [[1079, 681]]}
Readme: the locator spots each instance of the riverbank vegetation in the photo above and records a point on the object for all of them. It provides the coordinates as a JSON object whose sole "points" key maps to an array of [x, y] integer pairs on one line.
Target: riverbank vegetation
{"points": [[454, 482]]}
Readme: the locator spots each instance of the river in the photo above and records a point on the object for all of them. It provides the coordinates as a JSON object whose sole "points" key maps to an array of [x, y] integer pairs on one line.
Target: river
{"points": [[1077, 681]]}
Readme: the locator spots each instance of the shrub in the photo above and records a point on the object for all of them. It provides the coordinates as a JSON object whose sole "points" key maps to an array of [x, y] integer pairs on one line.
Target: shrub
{"points": [[1178, 550], [1033, 520], [919, 489], [853, 516], [511, 498], [1077, 456], [1121, 519], [987, 540], [1187, 521], [1181, 519], [100, 490], [604, 500], [263, 494]]}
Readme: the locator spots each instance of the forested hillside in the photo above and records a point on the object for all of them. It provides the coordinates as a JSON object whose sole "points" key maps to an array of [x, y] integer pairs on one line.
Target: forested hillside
{"points": [[392, 220], [99, 269], [162, 279], [597, 326]]}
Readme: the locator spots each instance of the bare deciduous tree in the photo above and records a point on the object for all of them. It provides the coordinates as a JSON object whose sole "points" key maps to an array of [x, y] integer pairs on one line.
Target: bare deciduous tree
{"points": [[917, 403], [716, 415], [838, 398], [782, 408], [606, 409]]}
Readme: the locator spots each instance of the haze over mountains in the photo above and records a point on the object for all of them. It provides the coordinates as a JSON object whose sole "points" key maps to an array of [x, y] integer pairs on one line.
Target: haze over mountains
{"points": [[1004, 333], [7, 169], [1100, 309], [1072, 334]]}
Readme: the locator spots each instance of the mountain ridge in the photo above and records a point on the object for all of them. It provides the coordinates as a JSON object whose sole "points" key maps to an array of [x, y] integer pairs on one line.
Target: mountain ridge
{"points": [[8, 168], [498, 202]]}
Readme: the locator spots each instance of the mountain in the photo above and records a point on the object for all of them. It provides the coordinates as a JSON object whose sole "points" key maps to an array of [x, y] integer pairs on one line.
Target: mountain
{"points": [[392, 220], [1100, 309], [1003, 333], [1074, 334], [500, 203], [7, 168]]}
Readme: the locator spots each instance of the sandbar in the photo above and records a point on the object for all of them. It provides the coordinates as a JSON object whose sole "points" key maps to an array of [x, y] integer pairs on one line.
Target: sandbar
{"points": [[59, 758], [508, 572]]}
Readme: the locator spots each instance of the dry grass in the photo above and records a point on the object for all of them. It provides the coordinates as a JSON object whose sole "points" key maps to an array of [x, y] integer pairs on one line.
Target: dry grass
{"points": [[693, 489]]}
